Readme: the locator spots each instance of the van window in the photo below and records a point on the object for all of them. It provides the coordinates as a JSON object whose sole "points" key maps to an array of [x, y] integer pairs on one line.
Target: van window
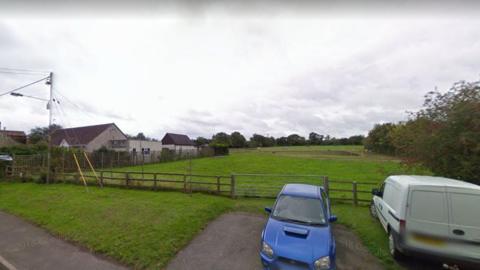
{"points": [[465, 209], [428, 206], [391, 196]]}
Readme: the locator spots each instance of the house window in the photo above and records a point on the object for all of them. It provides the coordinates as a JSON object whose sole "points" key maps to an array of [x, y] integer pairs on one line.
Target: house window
{"points": [[118, 143]]}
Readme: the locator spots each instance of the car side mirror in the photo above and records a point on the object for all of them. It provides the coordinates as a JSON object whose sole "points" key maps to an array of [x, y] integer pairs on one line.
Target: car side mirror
{"points": [[332, 218], [268, 209], [376, 192]]}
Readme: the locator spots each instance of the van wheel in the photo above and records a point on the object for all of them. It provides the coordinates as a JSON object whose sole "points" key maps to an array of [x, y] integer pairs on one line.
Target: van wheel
{"points": [[373, 210], [392, 246]]}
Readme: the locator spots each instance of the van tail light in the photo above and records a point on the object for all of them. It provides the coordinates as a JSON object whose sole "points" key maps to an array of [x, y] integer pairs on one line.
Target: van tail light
{"points": [[403, 226]]}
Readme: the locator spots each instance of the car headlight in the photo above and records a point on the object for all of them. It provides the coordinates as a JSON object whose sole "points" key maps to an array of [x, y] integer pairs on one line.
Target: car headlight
{"points": [[267, 250], [322, 263]]}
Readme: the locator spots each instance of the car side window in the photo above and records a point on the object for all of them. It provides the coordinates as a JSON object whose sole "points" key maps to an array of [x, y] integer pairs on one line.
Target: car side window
{"points": [[382, 189], [326, 204]]}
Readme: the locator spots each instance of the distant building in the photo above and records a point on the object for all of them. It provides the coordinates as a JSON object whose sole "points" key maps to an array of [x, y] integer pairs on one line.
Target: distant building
{"points": [[16, 136], [178, 143], [91, 138], [143, 146]]}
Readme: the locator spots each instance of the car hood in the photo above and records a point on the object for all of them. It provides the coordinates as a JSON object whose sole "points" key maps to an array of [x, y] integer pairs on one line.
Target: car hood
{"points": [[296, 241]]}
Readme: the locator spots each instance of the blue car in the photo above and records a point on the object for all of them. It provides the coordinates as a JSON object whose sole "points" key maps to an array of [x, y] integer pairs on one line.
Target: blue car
{"points": [[298, 234]]}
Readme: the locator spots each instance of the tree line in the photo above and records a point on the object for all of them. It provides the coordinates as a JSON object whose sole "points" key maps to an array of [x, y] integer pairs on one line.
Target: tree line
{"points": [[444, 135], [237, 140]]}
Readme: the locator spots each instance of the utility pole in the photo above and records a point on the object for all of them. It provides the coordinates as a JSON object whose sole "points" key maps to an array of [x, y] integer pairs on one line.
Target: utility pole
{"points": [[50, 114]]}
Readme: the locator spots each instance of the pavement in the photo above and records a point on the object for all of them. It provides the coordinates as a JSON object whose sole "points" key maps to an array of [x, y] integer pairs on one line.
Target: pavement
{"points": [[232, 242], [26, 246]]}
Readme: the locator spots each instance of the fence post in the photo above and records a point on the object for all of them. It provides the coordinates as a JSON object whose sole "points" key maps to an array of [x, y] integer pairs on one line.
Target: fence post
{"points": [[355, 196], [185, 183], [155, 181], [101, 160], [326, 185], [101, 178], [126, 179], [218, 184], [232, 186]]}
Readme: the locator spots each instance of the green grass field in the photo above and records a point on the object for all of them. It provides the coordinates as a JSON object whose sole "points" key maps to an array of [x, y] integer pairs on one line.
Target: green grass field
{"points": [[342, 164], [139, 228], [145, 229]]}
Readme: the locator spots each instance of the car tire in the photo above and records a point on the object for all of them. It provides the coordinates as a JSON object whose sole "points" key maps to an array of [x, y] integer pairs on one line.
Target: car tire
{"points": [[392, 246], [373, 210]]}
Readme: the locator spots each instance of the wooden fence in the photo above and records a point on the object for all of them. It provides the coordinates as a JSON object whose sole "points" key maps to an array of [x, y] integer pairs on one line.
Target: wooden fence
{"points": [[269, 185], [234, 185]]}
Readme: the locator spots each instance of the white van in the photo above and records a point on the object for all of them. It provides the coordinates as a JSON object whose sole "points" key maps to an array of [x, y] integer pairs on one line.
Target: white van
{"points": [[430, 215]]}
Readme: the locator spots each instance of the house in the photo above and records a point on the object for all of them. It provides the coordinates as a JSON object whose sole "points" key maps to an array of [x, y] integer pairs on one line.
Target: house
{"points": [[14, 135], [178, 142], [91, 138]]}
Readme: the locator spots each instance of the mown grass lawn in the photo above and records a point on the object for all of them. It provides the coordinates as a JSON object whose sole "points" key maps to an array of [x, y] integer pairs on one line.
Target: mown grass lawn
{"points": [[145, 229], [139, 228]]}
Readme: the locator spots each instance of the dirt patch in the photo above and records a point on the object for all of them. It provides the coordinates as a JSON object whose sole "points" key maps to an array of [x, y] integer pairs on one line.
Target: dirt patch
{"points": [[232, 242]]}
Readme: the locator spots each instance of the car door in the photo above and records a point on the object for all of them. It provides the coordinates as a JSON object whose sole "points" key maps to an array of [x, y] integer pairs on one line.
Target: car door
{"points": [[427, 218], [464, 206], [380, 206]]}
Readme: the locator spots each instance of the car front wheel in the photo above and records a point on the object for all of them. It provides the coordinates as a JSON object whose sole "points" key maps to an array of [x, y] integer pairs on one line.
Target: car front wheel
{"points": [[373, 210]]}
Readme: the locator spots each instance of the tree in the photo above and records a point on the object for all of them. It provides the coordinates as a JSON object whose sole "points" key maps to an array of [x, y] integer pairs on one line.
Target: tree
{"points": [[282, 141], [40, 134], [315, 138], [238, 140], [221, 138], [257, 139], [356, 140], [295, 139], [201, 141], [379, 139], [445, 134], [140, 136]]}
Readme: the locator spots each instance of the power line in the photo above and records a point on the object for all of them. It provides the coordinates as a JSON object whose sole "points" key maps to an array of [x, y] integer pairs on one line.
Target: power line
{"points": [[77, 107], [22, 71], [21, 87]]}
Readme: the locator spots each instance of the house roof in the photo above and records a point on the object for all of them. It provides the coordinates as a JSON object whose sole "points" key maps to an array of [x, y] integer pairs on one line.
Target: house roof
{"points": [[176, 139], [13, 133], [79, 135], [18, 136]]}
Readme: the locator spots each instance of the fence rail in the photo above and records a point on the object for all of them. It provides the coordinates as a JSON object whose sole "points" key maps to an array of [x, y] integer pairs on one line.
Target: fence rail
{"points": [[234, 185]]}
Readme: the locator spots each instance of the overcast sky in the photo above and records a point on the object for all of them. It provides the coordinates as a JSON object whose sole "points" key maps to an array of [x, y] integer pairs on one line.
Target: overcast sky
{"points": [[264, 73]]}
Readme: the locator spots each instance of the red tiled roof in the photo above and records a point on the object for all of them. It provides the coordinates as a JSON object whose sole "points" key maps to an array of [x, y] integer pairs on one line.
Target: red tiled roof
{"points": [[79, 135], [176, 139], [13, 133]]}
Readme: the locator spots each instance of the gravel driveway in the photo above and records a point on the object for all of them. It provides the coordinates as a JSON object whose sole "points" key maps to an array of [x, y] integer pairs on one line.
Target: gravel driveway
{"points": [[232, 242]]}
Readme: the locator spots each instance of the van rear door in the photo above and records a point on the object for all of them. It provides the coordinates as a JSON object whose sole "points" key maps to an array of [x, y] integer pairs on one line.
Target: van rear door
{"points": [[465, 221], [427, 218]]}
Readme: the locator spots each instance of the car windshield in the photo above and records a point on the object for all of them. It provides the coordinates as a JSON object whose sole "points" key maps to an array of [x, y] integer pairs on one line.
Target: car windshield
{"points": [[299, 209]]}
